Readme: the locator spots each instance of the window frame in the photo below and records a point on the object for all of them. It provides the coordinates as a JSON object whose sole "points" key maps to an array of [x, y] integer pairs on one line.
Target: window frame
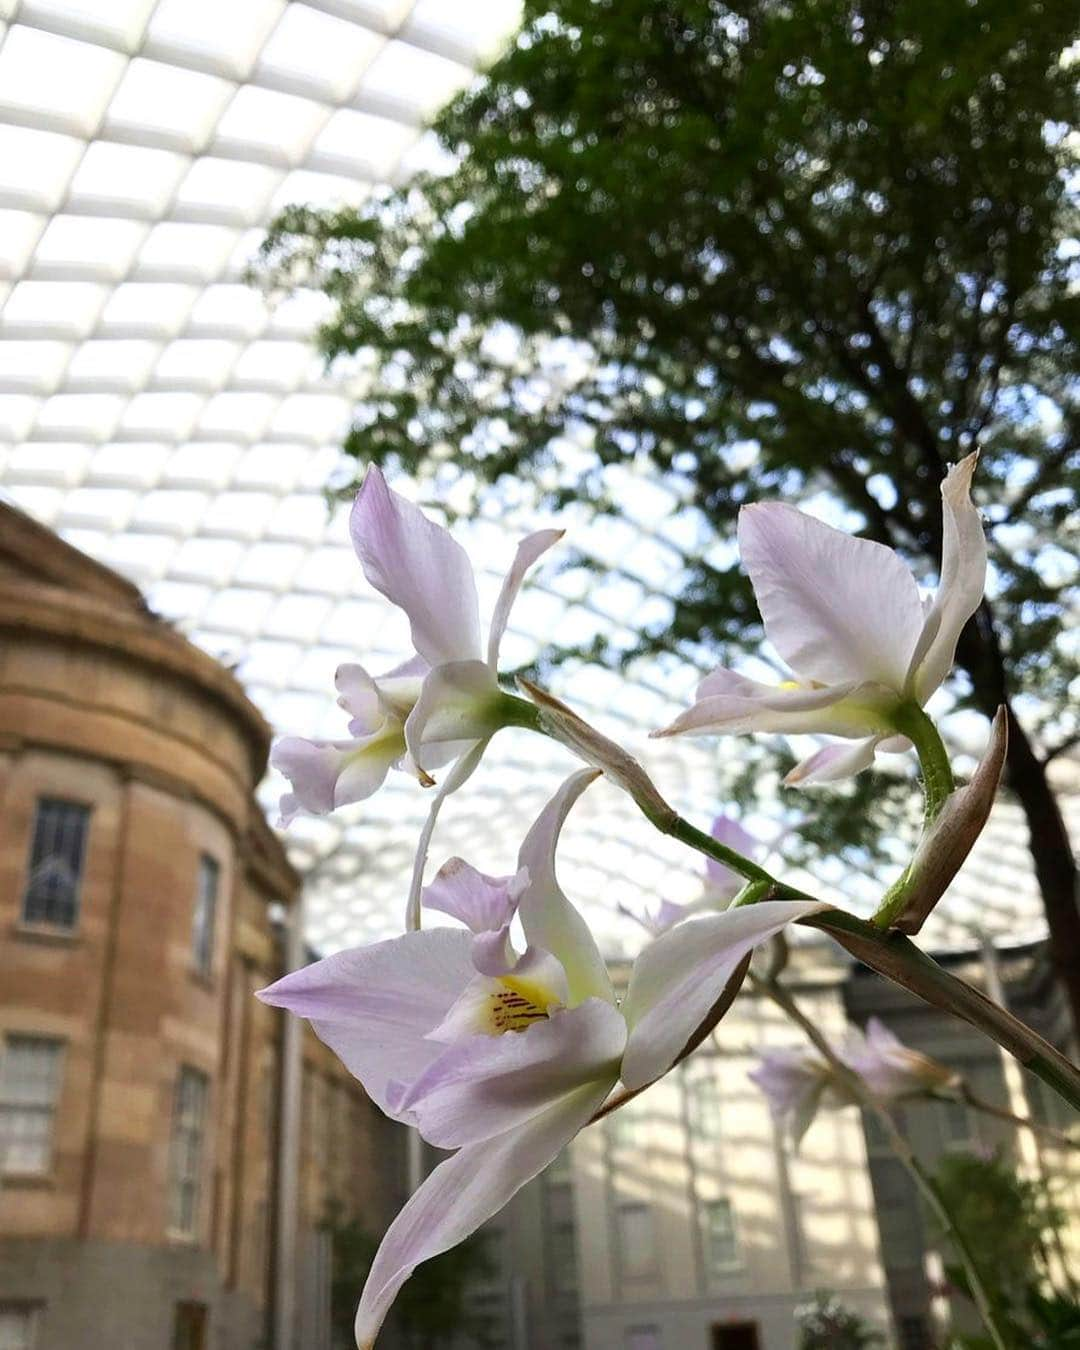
{"points": [[187, 1156], [718, 1269], [649, 1268], [45, 918], [49, 1110], [32, 1309], [204, 916]]}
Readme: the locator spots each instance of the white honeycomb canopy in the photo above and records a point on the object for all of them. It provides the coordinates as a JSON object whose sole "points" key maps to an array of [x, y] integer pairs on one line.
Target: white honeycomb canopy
{"points": [[177, 424]]}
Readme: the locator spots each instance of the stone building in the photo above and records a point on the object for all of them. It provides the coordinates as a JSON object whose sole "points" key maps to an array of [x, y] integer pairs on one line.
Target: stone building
{"points": [[153, 1188]]}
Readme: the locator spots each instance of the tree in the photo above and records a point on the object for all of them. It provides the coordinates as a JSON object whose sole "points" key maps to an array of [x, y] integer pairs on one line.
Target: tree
{"points": [[770, 249], [1008, 1222], [431, 1310]]}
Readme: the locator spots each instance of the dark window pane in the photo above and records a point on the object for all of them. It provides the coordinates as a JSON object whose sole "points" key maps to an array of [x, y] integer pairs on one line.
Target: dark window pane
{"points": [[188, 1130], [56, 863], [202, 929], [913, 1334], [189, 1326]]}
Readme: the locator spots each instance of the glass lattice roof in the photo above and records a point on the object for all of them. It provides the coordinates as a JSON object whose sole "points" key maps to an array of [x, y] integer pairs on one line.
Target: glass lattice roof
{"points": [[176, 423]]}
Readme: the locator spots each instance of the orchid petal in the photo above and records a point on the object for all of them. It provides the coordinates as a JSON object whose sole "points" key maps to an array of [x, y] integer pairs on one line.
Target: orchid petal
{"points": [[833, 762], [665, 916], [374, 1006], [536, 978], [727, 702], [328, 774], [835, 607], [359, 696], [420, 568], [482, 903], [963, 580], [459, 774], [288, 809], [794, 1082], [890, 1069], [458, 702], [718, 876], [374, 701], [678, 978], [531, 548], [483, 1085], [549, 919], [462, 1193]]}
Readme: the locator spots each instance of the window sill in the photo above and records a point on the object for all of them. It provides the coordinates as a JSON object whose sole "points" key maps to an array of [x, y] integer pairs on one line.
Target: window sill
{"points": [[27, 1181], [179, 1239], [47, 934]]}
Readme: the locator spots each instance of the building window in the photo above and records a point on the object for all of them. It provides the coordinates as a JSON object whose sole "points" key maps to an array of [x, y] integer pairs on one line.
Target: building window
{"points": [[722, 1244], [188, 1130], [643, 1338], [626, 1128], [189, 1326], [913, 1334], [704, 1109], [29, 1089], [563, 1255], [56, 863], [202, 928], [19, 1324], [637, 1240], [957, 1124], [735, 1336]]}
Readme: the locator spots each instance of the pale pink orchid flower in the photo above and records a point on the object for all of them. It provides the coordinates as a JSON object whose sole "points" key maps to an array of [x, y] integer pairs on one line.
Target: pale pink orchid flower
{"points": [[889, 1068], [433, 707], [798, 1081], [847, 617], [505, 1056], [722, 883]]}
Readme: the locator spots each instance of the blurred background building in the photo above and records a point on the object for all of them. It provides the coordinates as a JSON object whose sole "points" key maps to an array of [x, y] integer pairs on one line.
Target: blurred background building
{"points": [[160, 1181]]}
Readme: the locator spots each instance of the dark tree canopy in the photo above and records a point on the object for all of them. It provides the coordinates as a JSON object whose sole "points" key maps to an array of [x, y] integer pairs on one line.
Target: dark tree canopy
{"points": [[770, 248]]}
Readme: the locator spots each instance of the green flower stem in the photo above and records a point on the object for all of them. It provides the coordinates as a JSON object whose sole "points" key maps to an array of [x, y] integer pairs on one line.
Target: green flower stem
{"points": [[518, 712], [926, 1184], [898, 959], [938, 785], [888, 952], [704, 843], [751, 893]]}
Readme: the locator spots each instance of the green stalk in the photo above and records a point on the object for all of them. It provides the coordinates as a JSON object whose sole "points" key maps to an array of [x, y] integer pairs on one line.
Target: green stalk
{"points": [[938, 785], [886, 951]]}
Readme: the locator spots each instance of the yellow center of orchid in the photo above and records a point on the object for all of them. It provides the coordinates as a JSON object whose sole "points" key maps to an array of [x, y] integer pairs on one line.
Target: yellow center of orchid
{"points": [[516, 1004]]}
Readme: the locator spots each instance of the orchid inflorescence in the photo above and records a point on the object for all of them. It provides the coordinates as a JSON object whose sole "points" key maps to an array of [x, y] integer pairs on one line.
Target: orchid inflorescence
{"points": [[504, 1054]]}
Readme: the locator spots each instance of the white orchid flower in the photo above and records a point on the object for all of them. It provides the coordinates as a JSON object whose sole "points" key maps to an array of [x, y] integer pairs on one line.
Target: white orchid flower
{"points": [[505, 1056], [798, 1081], [722, 883], [435, 706], [847, 617]]}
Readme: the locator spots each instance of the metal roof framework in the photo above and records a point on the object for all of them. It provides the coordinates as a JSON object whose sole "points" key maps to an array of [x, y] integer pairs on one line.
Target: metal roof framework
{"points": [[176, 423]]}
